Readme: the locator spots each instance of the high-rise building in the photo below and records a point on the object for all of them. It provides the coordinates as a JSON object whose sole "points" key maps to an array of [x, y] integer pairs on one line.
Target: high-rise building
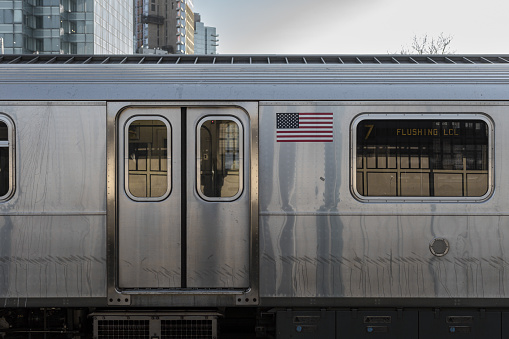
{"points": [[206, 39], [164, 26], [67, 26], [189, 28]]}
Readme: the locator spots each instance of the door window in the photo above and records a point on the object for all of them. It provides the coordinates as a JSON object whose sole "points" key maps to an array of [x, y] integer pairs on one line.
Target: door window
{"points": [[220, 149], [147, 158]]}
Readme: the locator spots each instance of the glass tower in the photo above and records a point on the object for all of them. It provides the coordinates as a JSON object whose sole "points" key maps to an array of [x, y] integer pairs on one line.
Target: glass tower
{"points": [[66, 26], [206, 39]]}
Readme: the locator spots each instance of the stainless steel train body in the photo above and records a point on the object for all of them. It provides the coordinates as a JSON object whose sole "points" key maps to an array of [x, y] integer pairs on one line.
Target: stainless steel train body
{"points": [[193, 183]]}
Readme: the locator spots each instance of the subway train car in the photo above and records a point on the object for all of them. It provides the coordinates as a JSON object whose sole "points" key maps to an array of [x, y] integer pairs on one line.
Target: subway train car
{"points": [[254, 196]]}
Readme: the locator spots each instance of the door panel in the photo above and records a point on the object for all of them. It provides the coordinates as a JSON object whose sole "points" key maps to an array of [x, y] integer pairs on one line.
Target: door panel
{"points": [[218, 230], [149, 226]]}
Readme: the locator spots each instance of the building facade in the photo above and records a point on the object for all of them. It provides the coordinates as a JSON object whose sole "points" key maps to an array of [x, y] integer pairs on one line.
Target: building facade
{"points": [[164, 26], [206, 40], [66, 26]]}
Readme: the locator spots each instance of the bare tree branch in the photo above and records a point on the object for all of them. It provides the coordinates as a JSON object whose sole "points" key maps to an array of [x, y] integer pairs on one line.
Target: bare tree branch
{"points": [[429, 45]]}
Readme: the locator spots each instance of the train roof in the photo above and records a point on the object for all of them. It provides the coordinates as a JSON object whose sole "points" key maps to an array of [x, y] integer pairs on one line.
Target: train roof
{"points": [[254, 77]]}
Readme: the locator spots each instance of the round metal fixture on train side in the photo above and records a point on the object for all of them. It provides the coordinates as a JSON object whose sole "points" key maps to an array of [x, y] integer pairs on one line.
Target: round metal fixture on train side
{"points": [[439, 247]]}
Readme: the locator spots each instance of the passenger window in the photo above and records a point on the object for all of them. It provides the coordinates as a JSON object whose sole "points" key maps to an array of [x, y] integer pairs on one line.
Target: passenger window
{"points": [[422, 158], [147, 162], [220, 163], [6, 158]]}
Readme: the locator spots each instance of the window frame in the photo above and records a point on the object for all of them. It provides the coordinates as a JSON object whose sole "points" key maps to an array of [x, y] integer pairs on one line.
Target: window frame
{"points": [[10, 144], [446, 116], [241, 157], [169, 147]]}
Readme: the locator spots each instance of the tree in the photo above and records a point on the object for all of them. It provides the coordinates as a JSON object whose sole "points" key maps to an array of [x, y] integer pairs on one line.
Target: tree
{"points": [[429, 45]]}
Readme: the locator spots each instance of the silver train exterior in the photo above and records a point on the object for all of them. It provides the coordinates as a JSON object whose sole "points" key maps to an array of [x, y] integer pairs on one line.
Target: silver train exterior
{"points": [[396, 209]]}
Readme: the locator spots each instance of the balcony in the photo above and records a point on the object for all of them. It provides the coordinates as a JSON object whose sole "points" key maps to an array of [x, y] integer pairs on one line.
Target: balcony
{"points": [[153, 19]]}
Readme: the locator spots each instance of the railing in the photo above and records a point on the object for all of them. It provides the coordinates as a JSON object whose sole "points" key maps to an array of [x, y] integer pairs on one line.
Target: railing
{"points": [[257, 59]]}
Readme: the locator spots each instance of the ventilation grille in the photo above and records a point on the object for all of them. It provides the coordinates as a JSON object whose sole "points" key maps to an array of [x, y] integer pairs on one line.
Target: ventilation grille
{"points": [[112, 329], [199, 329], [167, 325]]}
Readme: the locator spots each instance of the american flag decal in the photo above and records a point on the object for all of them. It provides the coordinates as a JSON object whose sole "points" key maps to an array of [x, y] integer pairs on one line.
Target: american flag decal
{"points": [[304, 127]]}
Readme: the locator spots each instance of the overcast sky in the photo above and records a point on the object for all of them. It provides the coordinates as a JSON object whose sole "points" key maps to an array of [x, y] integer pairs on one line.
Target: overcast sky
{"points": [[354, 26]]}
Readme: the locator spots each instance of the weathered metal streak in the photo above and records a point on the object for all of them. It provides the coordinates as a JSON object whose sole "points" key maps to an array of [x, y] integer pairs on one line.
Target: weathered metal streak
{"points": [[318, 241], [364, 257]]}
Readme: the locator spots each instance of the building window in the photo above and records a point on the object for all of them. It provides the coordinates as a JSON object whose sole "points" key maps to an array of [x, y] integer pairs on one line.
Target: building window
{"points": [[147, 158], [6, 158], [220, 166], [417, 157]]}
